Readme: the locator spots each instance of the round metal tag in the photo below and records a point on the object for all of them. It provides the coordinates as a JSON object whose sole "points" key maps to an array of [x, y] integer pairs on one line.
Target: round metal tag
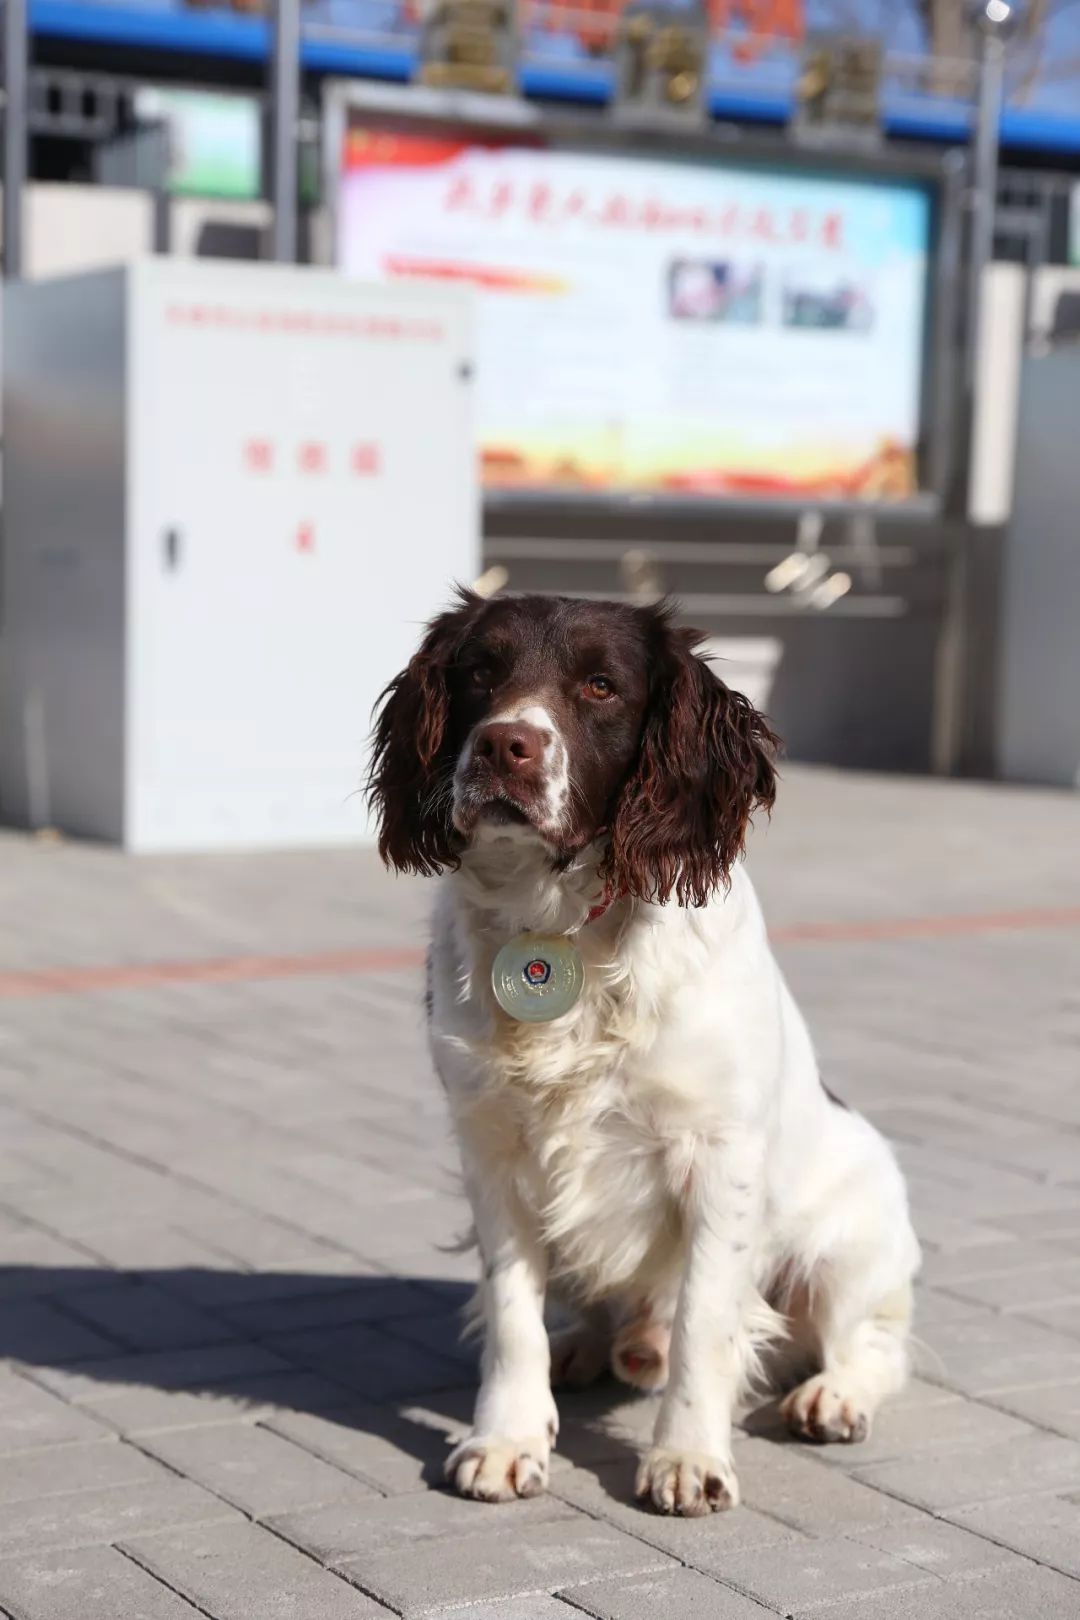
{"points": [[537, 977]]}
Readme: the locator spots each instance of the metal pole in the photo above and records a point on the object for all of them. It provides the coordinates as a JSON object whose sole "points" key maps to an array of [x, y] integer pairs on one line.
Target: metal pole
{"points": [[951, 700], [984, 174], [284, 121], [15, 134]]}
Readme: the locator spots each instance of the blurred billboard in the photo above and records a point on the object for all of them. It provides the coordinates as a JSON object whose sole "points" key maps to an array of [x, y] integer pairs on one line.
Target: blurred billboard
{"points": [[651, 325]]}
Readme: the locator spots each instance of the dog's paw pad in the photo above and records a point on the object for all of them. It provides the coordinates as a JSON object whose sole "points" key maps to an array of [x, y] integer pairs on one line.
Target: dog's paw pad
{"points": [[822, 1410], [640, 1355], [491, 1469], [686, 1482]]}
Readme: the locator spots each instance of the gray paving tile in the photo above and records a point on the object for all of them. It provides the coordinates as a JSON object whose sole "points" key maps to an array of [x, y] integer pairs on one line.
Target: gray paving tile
{"points": [[1002, 1259], [257, 1471], [439, 1332], [242, 1572], [342, 1300], [274, 1287], [605, 1423], [1048, 1225], [1039, 1462], [37, 1330], [148, 1411], [1027, 1594], [30, 1417], [85, 1466], [949, 1230], [351, 1530], [377, 1366], [152, 1247], [435, 1574], [526, 1608], [1045, 1528], [91, 1517], [1026, 1291], [142, 1317], [985, 1352], [33, 1263], [90, 1583], [918, 1395], [941, 1549], [396, 1451], [785, 1484], [679, 1594], [805, 1575], [1052, 1406], [210, 1368], [1061, 1317], [932, 1307]]}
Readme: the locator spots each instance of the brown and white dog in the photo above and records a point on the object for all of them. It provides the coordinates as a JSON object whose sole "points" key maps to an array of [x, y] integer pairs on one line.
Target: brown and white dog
{"points": [[663, 1154]]}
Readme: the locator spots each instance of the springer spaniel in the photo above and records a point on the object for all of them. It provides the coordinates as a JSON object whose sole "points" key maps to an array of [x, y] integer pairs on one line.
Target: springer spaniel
{"points": [[660, 1151]]}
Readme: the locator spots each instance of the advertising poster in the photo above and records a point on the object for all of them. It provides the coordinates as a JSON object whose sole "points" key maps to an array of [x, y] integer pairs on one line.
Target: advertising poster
{"points": [[663, 327]]}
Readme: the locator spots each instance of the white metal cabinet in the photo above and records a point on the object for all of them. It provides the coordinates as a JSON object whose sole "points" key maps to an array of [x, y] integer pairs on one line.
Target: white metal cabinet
{"points": [[300, 495]]}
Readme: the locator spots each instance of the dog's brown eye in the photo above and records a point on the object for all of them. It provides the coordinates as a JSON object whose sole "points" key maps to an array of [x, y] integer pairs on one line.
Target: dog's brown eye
{"points": [[481, 676], [598, 686]]}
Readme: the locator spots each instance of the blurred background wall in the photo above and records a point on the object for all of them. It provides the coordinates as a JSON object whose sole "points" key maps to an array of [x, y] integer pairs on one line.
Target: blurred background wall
{"points": [[766, 297]]}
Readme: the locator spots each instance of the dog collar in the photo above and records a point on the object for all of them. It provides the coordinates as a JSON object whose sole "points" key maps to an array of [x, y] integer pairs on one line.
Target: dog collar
{"points": [[604, 905]]}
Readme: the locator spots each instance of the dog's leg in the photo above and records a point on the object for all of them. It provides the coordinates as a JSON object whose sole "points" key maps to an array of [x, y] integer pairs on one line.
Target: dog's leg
{"points": [[863, 1359], [515, 1422], [855, 1302], [689, 1468]]}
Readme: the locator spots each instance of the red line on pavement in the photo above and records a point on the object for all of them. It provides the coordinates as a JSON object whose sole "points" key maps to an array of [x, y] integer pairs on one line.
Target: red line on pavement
{"points": [[987, 922], [205, 970], [68, 981]]}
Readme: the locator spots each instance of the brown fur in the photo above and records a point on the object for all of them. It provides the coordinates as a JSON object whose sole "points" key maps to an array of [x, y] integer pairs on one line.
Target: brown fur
{"points": [[706, 762], [668, 776], [412, 762]]}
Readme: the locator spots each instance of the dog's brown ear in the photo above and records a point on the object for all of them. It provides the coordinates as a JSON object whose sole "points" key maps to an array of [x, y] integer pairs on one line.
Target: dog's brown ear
{"points": [[410, 784], [707, 761]]}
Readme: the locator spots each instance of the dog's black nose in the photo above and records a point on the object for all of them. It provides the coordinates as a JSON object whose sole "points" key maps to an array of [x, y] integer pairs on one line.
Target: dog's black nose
{"points": [[511, 747]]}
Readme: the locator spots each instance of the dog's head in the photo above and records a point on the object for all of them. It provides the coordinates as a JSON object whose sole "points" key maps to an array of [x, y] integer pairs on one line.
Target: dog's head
{"points": [[569, 723]]}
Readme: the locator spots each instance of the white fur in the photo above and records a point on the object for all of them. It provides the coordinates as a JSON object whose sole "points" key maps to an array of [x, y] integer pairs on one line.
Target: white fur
{"points": [[663, 1151]]}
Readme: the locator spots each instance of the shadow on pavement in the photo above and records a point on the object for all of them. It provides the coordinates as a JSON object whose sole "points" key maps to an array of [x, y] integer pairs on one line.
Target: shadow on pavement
{"points": [[376, 1356]]}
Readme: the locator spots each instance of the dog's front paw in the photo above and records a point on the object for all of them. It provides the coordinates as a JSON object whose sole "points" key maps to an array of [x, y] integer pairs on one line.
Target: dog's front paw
{"points": [[686, 1482], [492, 1468], [822, 1409]]}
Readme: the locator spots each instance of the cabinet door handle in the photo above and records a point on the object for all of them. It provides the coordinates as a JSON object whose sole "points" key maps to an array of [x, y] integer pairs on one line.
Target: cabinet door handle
{"points": [[171, 549]]}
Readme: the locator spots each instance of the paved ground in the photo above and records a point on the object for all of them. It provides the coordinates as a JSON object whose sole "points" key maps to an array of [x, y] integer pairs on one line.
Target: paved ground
{"points": [[227, 1212]]}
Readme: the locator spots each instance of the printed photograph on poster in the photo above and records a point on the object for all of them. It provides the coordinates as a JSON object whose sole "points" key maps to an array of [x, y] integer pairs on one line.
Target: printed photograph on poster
{"points": [[664, 327], [704, 290], [825, 303]]}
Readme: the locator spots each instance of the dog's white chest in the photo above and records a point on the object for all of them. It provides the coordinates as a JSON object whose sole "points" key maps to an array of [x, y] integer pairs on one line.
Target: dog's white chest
{"points": [[604, 1187], [587, 1115]]}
